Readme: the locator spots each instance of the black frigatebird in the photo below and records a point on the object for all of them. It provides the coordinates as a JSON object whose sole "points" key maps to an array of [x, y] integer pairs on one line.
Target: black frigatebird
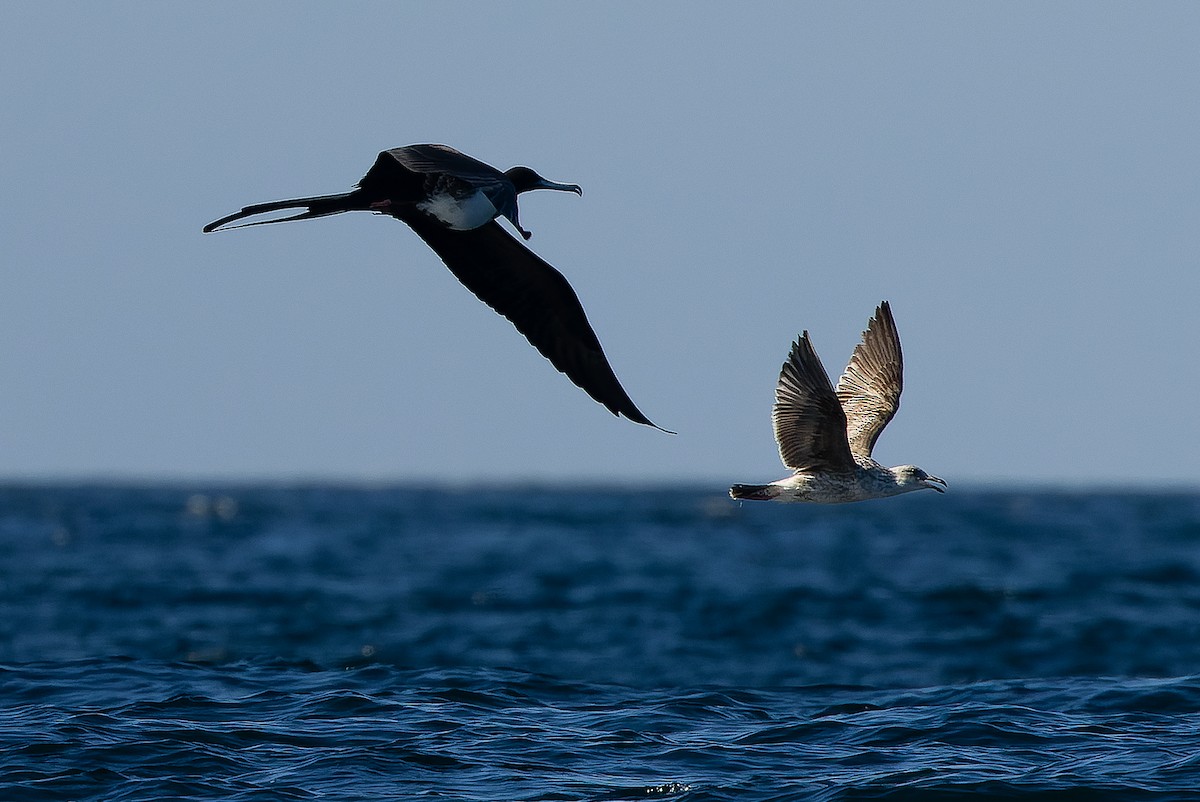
{"points": [[451, 201]]}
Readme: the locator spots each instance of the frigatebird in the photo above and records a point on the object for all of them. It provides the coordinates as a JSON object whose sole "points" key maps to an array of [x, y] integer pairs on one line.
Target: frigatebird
{"points": [[826, 436], [452, 201]]}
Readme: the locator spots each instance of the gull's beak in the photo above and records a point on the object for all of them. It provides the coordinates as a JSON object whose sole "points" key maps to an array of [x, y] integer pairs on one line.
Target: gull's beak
{"points": [[932, 483]]}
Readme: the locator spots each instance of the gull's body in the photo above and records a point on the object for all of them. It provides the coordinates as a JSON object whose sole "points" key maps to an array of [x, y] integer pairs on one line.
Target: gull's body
{"points": [[826, 436], [452, 201]]}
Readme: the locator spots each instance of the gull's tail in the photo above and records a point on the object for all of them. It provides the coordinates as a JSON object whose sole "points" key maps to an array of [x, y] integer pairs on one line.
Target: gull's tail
{"points": [[754, 492], [318, 206]]}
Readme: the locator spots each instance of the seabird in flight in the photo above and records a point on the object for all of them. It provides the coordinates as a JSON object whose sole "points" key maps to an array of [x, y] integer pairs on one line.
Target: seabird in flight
{"points": [[826, 436], [451, 201]]}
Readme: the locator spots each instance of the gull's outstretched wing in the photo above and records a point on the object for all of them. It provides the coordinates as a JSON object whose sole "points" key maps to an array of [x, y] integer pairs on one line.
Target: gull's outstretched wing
{"points": [[869, 390], [810, 426]]}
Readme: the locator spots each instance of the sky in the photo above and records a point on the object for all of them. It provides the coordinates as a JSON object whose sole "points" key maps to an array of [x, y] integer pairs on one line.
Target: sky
{"points": [[1020, 180]]}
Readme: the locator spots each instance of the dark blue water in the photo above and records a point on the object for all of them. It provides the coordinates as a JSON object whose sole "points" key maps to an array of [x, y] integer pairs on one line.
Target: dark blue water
{"points": [[342, 643]]}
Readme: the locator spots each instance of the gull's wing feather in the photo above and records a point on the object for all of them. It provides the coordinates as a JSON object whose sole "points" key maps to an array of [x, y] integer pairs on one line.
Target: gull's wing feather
{"points": [[810, 426], [869, 390]]}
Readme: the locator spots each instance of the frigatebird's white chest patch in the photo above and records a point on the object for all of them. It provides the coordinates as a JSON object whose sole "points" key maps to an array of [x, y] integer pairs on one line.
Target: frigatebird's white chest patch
{"points": [[459, 214]]}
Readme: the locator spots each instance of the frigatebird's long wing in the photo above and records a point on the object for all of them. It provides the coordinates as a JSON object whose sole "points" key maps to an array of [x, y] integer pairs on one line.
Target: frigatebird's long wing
{"points": [[535, 297], [408, 174], [445, 159]]}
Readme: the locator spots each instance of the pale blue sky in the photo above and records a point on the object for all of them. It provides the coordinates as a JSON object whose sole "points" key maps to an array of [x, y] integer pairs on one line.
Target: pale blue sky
{"points": [[1020, 180]]}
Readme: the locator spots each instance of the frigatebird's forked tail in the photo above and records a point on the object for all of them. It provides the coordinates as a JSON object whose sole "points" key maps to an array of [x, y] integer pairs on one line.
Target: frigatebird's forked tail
{"points": [[536, 298], [318, 206]]}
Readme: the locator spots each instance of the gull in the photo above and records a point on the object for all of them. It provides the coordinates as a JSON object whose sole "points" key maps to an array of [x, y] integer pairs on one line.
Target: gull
{"points": [[826, 436], [453, 201]]}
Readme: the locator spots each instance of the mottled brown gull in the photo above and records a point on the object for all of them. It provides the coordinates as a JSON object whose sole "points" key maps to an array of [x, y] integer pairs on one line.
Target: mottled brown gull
{"points": [[826, 436]]}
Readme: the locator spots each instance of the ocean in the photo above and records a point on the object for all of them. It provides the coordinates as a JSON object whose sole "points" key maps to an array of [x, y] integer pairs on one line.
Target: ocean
{"points": [[342, 642]]}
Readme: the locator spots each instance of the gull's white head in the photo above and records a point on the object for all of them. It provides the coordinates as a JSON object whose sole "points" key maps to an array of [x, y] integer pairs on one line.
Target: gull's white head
{"points": [[910, 477]]}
